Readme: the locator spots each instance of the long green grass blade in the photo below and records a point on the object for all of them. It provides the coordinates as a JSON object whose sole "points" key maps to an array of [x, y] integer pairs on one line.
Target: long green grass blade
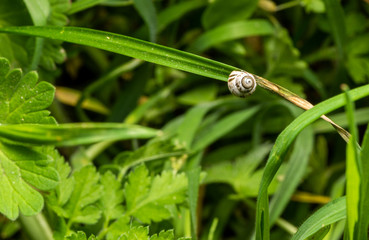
{"points": [[147, 11], [365, 180], [295, 172], [130, 47], [73, 134], [354, 194], [231, 31], [283, 141], [336, 19], [328, 214]]}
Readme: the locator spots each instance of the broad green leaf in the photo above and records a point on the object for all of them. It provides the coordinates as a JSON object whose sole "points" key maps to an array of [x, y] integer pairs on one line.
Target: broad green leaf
{"points": [[39, 11], [81, 207], [231, 31], [147, 11], [80, 236], [326, 215], [73, 133], [221, 12], [198, 95], [283, 141], [24, 168], [150, 200], [222, 127], [22, 99], [112, 198], [131, 47], [242, 174]]}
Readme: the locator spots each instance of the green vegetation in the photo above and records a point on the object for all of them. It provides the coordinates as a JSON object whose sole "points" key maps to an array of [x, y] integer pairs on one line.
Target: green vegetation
{"points": [[113, 124]]}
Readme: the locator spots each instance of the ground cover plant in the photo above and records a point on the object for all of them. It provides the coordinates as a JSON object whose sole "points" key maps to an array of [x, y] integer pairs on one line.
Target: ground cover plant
{"points": [[116, 121]]}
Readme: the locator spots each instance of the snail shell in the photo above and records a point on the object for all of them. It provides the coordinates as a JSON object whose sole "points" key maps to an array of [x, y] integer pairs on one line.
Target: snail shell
{"points": [[241, 83]]}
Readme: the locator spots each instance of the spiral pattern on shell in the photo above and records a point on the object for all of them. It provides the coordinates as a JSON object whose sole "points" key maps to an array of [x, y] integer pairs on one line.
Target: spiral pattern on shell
{"points": [[241, 83]]}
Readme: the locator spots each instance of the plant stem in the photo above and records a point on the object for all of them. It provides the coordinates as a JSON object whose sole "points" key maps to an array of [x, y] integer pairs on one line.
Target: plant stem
{"points": [[37, 227]]}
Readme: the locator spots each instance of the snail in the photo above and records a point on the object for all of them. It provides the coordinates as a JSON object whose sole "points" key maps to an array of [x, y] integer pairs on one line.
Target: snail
{"points": [[241, 83]]}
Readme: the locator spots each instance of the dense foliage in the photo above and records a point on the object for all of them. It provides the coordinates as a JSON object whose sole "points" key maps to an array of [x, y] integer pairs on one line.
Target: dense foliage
{"points": [[95, 144]]}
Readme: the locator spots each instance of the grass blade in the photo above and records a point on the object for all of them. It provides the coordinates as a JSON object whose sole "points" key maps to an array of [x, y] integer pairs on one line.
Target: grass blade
{"points": [[231, 31], [130, 47], [283, 141], [73, 134], [147, 11], [328, 214], [295, 172], [354, 194]]}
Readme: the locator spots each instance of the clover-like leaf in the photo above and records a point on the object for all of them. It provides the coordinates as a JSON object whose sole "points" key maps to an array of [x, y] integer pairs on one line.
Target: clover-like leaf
{"points": [[151, 202], [80, 236], [81, 207], [112, 198], [24, 169], [22, 99]]}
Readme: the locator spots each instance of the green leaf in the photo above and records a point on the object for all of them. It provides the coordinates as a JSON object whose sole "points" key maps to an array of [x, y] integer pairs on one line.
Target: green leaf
{"points": [[354, 190], [118, 228], [320, 234], [336, 19], [112, 198], [22, 99], [193, 176], [365, 179], [80, 236], [81, 207], [131, 47], [147, 11], [61, 194], [326, 215], [242, 174], [283, 141], [150, 200], [176, 11], [136, 233], [198, 95], [163, 235], [153, 150], [39, 11], [316, 6], [295, 171], [222, 12], [231, 31], [24, 169], [73, 133], [222, 127]]}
